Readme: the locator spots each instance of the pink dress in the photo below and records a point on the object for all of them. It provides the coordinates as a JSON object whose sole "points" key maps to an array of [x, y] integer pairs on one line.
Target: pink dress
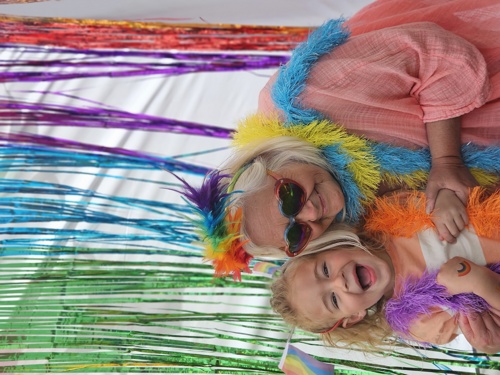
{"points": [[407, 63]]}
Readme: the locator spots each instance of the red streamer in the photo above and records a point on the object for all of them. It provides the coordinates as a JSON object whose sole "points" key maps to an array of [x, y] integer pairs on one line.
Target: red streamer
{"points": [[90, 34]]}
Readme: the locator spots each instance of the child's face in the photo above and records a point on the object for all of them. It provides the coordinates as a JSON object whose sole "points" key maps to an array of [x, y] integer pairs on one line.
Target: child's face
{"points": [[340, 283]]}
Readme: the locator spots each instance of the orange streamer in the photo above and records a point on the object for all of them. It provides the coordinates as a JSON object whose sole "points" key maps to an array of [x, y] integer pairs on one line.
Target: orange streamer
{"points": [[91, 34]]}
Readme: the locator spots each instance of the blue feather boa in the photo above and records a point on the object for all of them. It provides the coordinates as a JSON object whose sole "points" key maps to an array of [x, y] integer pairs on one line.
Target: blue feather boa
{"points": [[292, 77]]}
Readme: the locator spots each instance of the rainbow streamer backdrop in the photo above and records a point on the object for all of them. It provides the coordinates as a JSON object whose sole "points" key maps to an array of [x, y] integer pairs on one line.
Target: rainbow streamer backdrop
{"points": [[99, 272]]}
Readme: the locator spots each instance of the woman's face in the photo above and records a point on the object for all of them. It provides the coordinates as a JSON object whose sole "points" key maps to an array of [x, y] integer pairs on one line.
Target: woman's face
{"points": [[264, 222], [340, 283]]}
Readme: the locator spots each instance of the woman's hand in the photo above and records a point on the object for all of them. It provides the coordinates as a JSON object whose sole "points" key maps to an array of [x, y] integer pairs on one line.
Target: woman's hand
{"points": [[482, 331], [448, 172]]}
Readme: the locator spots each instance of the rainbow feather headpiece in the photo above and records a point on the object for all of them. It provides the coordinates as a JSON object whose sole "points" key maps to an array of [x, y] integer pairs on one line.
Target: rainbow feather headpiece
{"points": [[217, 225]]}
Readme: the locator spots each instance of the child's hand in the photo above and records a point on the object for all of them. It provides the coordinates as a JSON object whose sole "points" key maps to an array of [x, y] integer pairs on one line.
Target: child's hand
{"points": [[460, 275], [449, 215]]}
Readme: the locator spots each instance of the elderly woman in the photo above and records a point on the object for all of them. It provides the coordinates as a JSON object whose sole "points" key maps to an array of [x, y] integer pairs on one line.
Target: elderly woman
{"points": [[406, 99]]}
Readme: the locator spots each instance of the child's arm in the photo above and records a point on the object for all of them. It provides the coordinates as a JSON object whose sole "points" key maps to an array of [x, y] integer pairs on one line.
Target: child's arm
{"points": [[447, 170], [460, 275]]}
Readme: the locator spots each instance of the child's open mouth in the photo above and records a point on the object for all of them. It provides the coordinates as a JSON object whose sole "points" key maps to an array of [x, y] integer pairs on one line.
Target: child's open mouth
{"points": [[364, 277]]}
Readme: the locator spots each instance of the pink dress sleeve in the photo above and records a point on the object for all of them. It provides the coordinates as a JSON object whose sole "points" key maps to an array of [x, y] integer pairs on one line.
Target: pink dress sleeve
{"points": [[388, 83]]}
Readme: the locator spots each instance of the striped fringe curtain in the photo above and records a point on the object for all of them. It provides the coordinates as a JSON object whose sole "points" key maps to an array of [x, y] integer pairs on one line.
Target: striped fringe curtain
{"points": [[99, 269]]}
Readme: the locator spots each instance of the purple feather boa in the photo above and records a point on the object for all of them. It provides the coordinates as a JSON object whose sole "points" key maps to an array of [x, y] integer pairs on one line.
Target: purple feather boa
{"points": [[416, 297]]}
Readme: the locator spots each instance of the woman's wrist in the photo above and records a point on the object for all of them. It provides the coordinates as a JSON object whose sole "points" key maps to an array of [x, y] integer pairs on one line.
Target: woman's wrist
{"points": [[444, 139], [449, 160]]}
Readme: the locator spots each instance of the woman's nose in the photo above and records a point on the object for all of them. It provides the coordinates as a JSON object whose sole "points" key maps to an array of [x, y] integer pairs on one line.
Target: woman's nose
{"points": [[309, 212]]}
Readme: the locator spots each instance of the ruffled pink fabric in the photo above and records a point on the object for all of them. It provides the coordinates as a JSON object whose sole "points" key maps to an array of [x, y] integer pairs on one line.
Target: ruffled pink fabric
{"points": [[408, 63]]}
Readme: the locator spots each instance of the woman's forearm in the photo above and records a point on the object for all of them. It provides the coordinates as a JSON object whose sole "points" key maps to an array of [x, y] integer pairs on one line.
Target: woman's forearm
{"points": [[444, 140]]}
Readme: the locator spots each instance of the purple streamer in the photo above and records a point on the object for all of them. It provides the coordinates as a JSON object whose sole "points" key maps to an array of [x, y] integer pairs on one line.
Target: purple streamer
{"points": [[17, 113], [183, 63]]}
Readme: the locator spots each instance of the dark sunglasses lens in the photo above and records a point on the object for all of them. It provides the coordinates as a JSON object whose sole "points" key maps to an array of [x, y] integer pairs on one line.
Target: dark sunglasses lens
{"points": [[297, 236], [292, 198]]}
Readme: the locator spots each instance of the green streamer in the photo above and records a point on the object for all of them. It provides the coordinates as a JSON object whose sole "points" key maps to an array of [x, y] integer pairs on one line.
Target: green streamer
{"points": [[168, 315]]}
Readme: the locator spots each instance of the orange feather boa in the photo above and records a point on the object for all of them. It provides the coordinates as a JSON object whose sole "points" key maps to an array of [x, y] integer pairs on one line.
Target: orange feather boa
{"points": [[403, 214]]}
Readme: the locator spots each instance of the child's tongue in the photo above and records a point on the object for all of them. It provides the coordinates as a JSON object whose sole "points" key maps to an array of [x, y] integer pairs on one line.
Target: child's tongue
{"points": [[364, 277]]}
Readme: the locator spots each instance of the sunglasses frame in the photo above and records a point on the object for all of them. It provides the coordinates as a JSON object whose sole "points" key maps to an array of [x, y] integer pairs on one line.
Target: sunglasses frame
{"points": [[279, 182], [335, 326]]}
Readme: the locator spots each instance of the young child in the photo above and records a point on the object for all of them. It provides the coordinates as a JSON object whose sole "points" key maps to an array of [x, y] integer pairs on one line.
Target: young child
{"points": [[363, 293]]}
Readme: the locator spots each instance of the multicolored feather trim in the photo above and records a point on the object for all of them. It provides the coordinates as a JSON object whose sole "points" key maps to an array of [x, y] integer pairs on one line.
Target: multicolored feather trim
{"points": [[229, 257], [403, 215], [292, 77], [218, 227], [361, 165], [417, 297]]}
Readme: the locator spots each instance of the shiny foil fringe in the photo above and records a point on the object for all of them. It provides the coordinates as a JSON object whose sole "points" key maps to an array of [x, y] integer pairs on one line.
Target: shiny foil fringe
{"points": [[61, 312], [91, 34], [21, 1], [91, 63], [91, 315]]}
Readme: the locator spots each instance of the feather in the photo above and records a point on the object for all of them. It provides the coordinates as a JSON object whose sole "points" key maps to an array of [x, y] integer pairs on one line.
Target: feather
{"points": [[292, 77], [484, 213], [400, 215], [416, 297], [403, 214], [217, 227]]}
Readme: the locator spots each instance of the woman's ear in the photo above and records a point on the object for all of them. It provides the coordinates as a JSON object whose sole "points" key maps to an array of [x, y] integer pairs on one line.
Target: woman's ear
{"points": [[353, 319]]}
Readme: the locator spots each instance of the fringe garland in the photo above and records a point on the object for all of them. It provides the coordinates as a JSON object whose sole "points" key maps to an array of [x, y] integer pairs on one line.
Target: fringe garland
{"points": [[136, 300], [159, 162], [22, 113], [88, 63], [92, 34], [169, 316], [25, 202]]}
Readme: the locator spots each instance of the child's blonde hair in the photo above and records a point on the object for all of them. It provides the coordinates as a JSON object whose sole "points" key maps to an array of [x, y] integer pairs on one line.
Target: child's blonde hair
{"points": [[371, 332]]}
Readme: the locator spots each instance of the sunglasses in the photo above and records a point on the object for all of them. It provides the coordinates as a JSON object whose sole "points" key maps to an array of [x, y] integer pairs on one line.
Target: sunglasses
{"points": [[291, 199]]}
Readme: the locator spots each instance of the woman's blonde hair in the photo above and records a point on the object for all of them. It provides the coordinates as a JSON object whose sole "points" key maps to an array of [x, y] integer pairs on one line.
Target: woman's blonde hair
{"points": [[369, 334], [250, 164]]}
